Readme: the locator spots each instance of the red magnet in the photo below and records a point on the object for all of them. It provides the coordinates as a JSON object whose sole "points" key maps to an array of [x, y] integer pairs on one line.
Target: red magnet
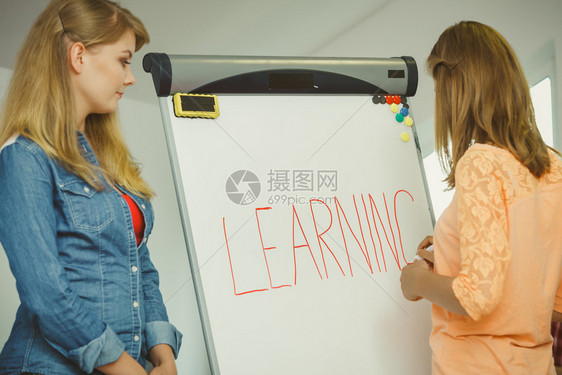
{"points": [[397, 99], [389, 99]]}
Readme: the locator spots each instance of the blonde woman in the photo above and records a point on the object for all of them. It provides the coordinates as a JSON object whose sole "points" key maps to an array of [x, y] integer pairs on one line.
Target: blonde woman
{"points": [[498, 246], [75, 212]]}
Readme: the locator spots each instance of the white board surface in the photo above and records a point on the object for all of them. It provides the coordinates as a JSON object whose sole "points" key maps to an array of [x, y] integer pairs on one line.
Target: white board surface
{"points": [[299, 272]]}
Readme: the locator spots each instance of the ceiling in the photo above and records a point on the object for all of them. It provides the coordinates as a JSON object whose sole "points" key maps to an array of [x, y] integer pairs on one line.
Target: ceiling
{"points": [[213, 27], [351, 28]]}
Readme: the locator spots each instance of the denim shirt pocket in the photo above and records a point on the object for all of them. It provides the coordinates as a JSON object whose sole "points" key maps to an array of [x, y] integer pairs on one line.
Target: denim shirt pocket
{"points": [[88, 208]]}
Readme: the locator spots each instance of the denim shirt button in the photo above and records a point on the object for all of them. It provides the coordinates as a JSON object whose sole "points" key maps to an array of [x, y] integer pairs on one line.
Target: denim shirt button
{"points": [[134, 269], [86, 189], [143, 206], [136, 338], [135, 304]]}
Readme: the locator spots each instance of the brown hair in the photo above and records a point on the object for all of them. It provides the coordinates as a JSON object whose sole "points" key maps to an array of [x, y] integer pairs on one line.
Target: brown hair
{"points": [[481, 95], [39, 103]]}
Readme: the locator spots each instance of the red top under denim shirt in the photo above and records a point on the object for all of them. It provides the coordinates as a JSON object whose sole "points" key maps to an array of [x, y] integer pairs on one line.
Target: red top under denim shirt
{"points": [[138, 218]]}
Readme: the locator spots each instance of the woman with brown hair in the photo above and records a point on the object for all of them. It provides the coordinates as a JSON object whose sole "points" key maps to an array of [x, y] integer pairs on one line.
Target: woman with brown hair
{"points": [[75, 213], [495, 272]]}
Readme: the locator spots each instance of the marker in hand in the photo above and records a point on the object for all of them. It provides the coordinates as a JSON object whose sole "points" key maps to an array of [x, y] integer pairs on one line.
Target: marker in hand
{"points": [[417, 257]]}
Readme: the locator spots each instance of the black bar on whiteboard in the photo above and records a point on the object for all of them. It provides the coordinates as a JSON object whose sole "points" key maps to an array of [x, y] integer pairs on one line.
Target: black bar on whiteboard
{"points": [[298, 80], [396, 73], [316, 83]]}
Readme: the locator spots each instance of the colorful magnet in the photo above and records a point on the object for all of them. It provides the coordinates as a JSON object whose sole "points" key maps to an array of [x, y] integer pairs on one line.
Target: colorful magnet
{"points": [[399, 117], [404, 111], [379, 99], [397, 99], [405, 137], [394, 108], [408, 121], [389, 99]]}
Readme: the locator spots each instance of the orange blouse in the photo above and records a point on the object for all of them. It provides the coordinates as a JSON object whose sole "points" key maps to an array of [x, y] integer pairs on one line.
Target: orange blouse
{"points": [[501, 238]]}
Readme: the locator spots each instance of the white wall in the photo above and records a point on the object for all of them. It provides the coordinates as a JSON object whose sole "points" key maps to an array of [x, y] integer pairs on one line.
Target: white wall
{"points": [[411, 27]]}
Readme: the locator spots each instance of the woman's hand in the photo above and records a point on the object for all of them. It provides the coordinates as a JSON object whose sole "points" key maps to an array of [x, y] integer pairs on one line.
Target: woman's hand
{"points": [[410, 279], [425, 251], [164, 369], [125, 365], [426, 242], [411, 273], [419, 281], [162, 357]]}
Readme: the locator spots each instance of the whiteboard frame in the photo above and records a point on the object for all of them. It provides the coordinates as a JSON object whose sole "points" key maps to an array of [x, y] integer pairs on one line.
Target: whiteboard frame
{"points": [[188, 237], [184, 210]]}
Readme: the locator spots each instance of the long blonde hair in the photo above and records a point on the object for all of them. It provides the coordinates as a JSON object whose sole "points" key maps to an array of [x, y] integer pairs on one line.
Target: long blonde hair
{"points": [[39, 103], [481, 95]]}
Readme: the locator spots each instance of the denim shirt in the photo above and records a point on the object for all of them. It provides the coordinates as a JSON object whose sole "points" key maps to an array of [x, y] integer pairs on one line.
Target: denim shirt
{"points": [[87, 290]]}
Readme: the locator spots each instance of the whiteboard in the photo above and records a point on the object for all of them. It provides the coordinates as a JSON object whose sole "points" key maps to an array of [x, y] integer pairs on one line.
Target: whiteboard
{"points": [[298, 213]]}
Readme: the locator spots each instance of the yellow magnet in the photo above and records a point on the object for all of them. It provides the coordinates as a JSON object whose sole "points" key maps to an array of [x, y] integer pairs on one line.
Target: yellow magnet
{"points": [[196, 105]]}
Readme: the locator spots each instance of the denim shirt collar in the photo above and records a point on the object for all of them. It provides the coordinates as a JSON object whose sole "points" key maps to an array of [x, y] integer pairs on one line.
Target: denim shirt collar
{"points": [[87, 150]]}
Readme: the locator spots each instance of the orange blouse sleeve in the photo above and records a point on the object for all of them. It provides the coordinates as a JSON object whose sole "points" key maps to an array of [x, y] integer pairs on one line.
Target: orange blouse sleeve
{"points": [[483, 231]]}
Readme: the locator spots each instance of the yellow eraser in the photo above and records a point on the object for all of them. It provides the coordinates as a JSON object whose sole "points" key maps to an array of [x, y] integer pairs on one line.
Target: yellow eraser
{"points": [[196, 105]]}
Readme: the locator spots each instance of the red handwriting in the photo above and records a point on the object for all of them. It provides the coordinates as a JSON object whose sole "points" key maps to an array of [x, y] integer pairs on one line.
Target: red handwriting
{"points": [[230, 262], [382, 224], [319, 236], [295, 247], [264, 250]]}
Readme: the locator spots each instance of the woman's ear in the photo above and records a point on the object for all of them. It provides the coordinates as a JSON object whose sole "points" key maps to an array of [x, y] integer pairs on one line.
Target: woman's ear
{"points": [[76, 56]]}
